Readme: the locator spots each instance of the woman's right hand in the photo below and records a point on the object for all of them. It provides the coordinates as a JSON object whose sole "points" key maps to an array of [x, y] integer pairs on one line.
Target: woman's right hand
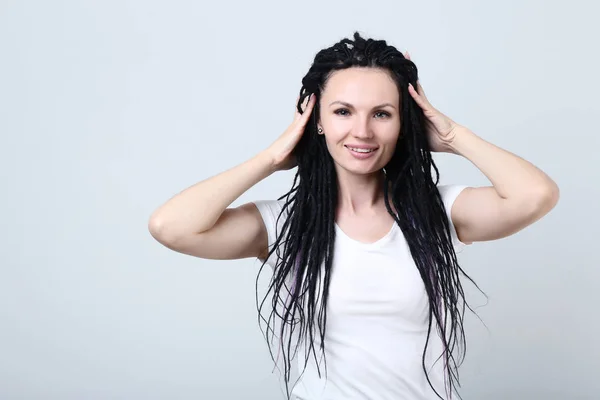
{"points": [[281, 151]]}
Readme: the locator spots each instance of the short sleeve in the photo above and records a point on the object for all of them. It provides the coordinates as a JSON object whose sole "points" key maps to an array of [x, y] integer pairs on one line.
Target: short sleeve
{"points": [[449, 193], [270, 210]]}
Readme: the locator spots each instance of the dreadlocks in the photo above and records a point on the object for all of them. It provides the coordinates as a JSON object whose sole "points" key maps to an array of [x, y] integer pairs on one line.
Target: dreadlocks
{"points": [[304, 245]]}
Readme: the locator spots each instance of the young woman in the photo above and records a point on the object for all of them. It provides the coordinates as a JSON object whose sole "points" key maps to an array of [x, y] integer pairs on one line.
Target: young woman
{"points": [[363, 247]]}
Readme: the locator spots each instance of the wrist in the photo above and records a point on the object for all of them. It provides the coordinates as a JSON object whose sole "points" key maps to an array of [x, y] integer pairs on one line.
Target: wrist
{"points": [[462, 140], [266, 161]]}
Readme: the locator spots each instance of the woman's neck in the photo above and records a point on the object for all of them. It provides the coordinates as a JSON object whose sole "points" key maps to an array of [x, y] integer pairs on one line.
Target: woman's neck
{"points": [[360, 194]]}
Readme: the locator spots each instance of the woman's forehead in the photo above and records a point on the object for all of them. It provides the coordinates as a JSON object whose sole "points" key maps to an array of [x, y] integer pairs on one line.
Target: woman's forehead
{"points": [[364, 85]]}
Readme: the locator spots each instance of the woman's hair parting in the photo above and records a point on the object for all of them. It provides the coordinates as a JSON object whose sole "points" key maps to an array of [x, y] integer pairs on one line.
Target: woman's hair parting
{"points": [[306, 225]]}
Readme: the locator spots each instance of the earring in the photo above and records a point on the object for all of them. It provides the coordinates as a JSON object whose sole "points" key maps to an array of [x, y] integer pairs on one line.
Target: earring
{"points": [[320, 130]]}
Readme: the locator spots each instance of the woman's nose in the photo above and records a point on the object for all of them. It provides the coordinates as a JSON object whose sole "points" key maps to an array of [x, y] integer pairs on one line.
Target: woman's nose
{"points": [[362, 130]]}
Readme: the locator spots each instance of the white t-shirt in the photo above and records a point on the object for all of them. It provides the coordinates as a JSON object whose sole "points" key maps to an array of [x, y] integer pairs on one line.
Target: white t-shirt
{"points": [[377, 319]]}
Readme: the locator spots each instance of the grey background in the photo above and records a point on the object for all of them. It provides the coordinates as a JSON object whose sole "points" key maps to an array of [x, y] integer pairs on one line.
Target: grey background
{"points": [[107, 109]]}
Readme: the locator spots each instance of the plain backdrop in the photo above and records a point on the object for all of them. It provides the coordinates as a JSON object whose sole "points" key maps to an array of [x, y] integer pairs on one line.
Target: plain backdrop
{"points": [[107, 109]]}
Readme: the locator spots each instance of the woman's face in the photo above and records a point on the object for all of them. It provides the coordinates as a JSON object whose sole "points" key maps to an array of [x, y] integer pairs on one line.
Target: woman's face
{"points": [[359, 109]]}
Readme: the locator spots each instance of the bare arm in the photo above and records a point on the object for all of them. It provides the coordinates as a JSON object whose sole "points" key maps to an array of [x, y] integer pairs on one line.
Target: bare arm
{"points": [[521, 193], [198, 222]]}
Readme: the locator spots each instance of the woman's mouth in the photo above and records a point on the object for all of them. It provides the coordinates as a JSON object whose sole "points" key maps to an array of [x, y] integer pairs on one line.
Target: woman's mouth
{"points": [[361, 153]]}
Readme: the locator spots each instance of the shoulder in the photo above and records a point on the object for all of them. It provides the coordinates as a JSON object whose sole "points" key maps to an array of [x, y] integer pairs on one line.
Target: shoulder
{"points": [[271, 213], [449, 193], [273, 219], [269, 209]]}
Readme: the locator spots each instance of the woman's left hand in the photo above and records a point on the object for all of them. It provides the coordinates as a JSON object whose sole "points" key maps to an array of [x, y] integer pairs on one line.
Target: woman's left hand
{"points": [[440, 129]]}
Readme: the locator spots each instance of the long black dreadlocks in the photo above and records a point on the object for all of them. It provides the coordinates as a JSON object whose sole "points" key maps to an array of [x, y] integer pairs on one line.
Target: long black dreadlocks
{"points": [[308, 233]]}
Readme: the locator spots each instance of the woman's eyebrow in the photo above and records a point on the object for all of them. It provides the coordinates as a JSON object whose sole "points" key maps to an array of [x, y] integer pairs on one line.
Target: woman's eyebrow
{"points": [[351, 106]]}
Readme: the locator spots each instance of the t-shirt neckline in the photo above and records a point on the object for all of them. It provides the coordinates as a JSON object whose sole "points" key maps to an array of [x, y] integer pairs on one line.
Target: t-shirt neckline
{"points": [[377, 243]]}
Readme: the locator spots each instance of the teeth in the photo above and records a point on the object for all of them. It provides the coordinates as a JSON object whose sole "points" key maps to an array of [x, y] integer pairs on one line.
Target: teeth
{"points": [[361, 150]]}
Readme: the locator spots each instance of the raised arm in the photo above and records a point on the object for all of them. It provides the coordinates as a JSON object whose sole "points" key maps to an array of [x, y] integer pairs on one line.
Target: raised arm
{"points": [[520, 193], [198, 222]]}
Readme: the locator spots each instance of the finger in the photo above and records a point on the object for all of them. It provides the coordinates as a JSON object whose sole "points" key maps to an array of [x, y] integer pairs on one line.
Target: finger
{"points": [[310, 102], [296, 113], [422, 92], [306, 103], [303, 106], [415, 95], [418, 90]]}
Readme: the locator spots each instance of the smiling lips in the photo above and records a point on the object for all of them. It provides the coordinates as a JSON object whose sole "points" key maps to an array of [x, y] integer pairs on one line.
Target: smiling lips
{"points": [[361, 151], [361, 147]]}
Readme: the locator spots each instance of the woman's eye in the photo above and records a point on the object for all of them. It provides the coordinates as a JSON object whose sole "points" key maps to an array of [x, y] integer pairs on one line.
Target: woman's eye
{"points": [[339, 112], [384, 113]]}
